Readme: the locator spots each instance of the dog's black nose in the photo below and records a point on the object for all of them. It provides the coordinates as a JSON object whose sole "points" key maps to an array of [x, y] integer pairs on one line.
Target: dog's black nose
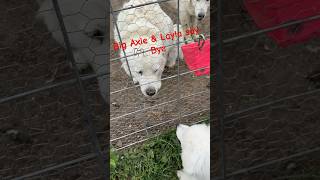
{"points": [[150, 91], [200, 16]]}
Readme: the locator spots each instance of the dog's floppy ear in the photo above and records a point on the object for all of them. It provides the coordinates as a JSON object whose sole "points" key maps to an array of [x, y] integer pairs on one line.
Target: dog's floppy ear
{"points": [[181, 128]]}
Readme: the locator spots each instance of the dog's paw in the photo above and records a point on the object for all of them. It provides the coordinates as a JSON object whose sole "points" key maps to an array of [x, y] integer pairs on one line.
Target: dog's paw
{"points": [[181, 57], [179, 174], [172, 57], [184, 176], [171, 63], [135, 82]]}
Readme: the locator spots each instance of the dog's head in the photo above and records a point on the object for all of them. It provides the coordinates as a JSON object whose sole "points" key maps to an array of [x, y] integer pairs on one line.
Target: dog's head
{"points": [[146, 71], [200, 8]]}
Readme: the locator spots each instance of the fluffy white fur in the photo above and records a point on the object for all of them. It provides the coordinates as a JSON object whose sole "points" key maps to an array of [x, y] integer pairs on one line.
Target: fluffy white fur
{"points": [[143, 22], [191, 11], [195, 144], [85, 35]]}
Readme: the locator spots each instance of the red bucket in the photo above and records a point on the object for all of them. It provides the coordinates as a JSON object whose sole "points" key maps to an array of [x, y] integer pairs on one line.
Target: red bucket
{"points": [[270, 13], [197, 57]]}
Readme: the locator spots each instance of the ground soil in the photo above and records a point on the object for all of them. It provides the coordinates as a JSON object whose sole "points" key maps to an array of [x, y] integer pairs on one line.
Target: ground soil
{"points": [[45, 128], [257, 71]]}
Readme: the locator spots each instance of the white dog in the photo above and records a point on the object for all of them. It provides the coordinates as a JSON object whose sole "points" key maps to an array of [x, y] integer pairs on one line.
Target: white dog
{"points": [[85, 24], [191, 11], [195, 144], [143, 29]]}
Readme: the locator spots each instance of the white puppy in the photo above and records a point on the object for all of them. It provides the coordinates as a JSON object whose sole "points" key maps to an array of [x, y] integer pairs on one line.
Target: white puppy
{"points": [[195, 144], [191, 11], [85, 24], [138, 27]]}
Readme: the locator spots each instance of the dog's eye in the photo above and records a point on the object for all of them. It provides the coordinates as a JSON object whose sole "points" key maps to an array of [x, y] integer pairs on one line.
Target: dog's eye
{"points": [[140, 72]]}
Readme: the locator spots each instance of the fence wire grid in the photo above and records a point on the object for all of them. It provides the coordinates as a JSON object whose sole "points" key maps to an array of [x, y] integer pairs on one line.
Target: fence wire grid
{"points": [[71, 141], [79, 30], [182, 96], [266, 107]]}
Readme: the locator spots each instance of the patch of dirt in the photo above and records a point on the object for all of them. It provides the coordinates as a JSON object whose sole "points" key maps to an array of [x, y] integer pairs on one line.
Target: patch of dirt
{"points": [[45, 128], [257, 71]]}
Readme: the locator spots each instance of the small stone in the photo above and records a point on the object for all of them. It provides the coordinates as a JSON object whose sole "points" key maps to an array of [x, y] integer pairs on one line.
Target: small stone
{"points": [[266, 47], [119, 143], [13, 133], [115, 105], [291, 166], [313, 49], [19, 136]]}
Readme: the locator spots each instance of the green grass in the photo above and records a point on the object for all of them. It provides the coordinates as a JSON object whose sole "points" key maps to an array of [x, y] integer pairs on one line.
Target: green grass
{"points": [[158, 158]]}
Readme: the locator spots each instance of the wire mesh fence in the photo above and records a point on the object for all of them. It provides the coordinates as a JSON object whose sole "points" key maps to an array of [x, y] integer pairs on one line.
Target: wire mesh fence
{"points": [[73, 135], [51, 122], [182, 96], [54, 119], [267, 124]]}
